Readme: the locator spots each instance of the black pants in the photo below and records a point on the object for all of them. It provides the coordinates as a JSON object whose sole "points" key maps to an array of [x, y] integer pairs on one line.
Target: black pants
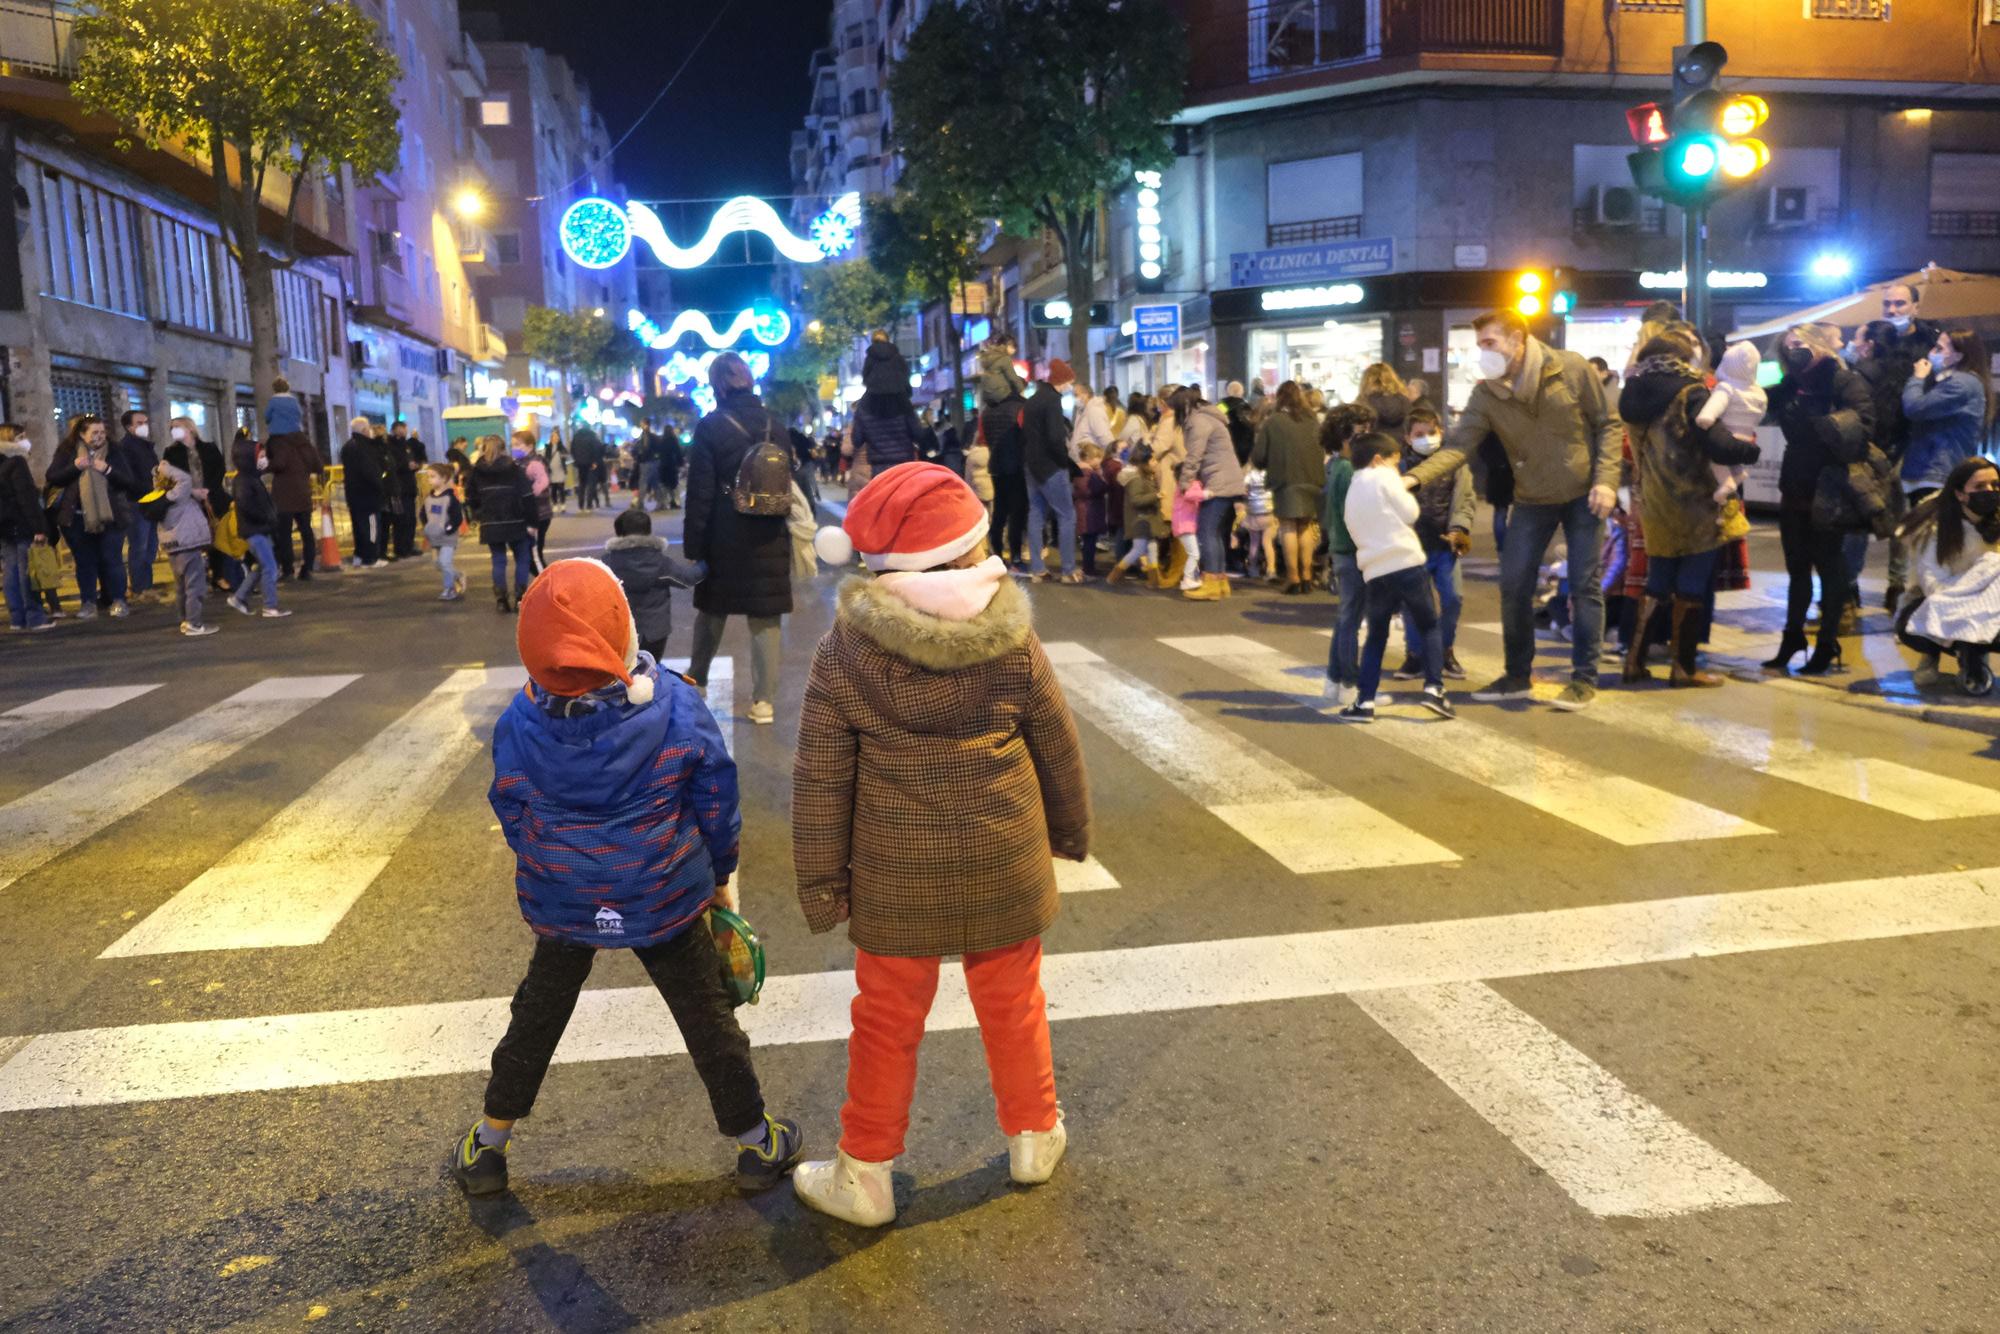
{"points": [[688, 973], [367, 532], [1809, 549], [282, 539], [403, 526], [1087, 542], [1010, 514], [1966, 654]]}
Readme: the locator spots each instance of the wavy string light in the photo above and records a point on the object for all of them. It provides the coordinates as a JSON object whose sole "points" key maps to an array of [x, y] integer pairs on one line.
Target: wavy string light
{"points": [[598, 233], [767, 324]]}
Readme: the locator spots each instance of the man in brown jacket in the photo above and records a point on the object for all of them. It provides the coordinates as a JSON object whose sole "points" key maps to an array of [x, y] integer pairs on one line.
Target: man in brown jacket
{"points": [[938, 769], [1566, 447]]}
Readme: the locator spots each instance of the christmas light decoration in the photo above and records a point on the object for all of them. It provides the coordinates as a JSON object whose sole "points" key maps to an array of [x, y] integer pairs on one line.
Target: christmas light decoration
{"points": [[595, 233], [766, 323]]}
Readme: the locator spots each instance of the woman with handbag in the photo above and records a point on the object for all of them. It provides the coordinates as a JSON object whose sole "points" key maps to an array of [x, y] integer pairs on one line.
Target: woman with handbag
{"points": [[1827, 416], [95, 510]]}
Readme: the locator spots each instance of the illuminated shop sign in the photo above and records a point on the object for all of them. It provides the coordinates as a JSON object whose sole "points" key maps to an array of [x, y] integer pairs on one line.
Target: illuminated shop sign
{"points": [[1676, 279], [1314, 298]]}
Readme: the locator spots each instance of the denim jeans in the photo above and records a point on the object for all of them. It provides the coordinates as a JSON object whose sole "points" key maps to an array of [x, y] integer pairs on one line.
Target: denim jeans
{"points": [[1408, 592], [766, 643], [142, 546], [1691, 577], [524, 562], [1343, 659], [98, 556], [267, 568], [1443, 568], [1529, 531], [447, 559], [23, 610], [1052, 495], [687, 973], [1209, 525]]}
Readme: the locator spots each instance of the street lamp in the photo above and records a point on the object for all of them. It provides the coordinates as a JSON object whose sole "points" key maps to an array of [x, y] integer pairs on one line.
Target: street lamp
{"points": [[815, 328], [469, 204]]}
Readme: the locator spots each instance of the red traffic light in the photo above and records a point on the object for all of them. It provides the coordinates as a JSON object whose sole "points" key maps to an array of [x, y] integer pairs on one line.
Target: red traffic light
{"points": [[1648, 123]]}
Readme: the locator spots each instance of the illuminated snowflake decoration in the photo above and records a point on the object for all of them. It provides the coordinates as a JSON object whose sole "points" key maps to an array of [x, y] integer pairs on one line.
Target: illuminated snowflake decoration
{"points": [[834, 230], [596, 233]]}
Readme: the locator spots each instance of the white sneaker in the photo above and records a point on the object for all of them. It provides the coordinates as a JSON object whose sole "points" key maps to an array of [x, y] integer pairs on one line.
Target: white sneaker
{"points": [[236, 600], [1032, 1155], [848, 1189], [120, 610], [196, 631], [275, 613], [762, 713], [1338, 695]]}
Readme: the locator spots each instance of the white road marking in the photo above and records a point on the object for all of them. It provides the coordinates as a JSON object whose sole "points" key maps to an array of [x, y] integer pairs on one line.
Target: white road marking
{"points": [[1082, 877], [1868, 779], [1427, 962], [48, 822], [1614, 1152], [1575, 791], [1302, 823], [294, 880], [51, 713]]}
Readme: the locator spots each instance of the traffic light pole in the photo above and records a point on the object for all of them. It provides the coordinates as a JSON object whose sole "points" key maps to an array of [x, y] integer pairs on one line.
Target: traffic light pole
{"points": [[1694, 221]]}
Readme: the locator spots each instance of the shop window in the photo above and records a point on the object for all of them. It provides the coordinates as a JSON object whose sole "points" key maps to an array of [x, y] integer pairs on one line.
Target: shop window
{"points": [[1965, 194], [1327, 355], [1313, 199]]}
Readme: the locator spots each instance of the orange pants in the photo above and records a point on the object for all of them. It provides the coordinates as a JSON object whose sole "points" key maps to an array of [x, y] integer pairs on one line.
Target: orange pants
{"points": [[895, 996]]}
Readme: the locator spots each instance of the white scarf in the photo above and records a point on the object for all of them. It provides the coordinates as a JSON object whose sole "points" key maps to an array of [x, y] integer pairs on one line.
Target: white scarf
{"points": [[951, 595]]}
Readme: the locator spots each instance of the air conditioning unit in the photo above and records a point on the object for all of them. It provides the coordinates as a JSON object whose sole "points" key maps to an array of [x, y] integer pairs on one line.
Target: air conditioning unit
{"points": [[1788, 206], [1614, 206]]}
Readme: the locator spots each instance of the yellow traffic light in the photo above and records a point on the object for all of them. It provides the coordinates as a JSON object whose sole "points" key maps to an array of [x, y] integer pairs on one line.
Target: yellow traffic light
{"points": [[1529, 305], [1744, 113], [1529, 283], [1744, 157]]}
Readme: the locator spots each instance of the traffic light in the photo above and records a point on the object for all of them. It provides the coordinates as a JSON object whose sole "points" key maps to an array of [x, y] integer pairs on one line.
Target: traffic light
{"points": [[1701, 146], [1540, 292]]}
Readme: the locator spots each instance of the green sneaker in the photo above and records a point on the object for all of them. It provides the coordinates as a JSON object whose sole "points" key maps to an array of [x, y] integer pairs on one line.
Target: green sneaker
{"points": [[480, 1168], [760, 1169]]}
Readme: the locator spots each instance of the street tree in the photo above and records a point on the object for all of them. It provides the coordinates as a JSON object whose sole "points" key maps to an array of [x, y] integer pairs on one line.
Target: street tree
{"points": [[841, 304], [930, 232], [1042, 108], [578, 343], [273, 93]]}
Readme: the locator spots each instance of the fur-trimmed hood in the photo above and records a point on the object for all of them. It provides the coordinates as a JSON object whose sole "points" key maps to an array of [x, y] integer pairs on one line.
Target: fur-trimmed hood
{"points": [[637, 542], [932, 642]]}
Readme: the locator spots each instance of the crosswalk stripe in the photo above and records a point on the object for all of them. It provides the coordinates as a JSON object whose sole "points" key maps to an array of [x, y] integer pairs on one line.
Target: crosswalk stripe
{"points": [[1299, 821], [1615, 1153], [1083, 877], [51, 713], [291, 882], [208, 1058], [42, 825], [1575, 791], [1868, 779]]}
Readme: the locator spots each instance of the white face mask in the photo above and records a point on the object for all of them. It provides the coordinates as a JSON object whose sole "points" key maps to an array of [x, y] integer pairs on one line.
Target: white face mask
{"points": [[1902, 323], [1492, 363], [179, 434], [144, 430], [1940, 362], [1425, 444]]}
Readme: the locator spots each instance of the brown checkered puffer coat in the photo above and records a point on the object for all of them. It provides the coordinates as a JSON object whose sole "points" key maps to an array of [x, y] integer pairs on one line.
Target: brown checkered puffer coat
{"points": [[938, 769]]}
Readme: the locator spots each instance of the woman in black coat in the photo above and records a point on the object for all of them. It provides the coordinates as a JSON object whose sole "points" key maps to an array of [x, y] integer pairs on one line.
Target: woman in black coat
{"points": [[1828, 418], [256, 521], [500, 495], [749, 556]]}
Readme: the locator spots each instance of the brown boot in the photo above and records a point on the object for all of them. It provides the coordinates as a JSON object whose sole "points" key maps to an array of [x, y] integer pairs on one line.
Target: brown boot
{"points": [[1117, 575], [1635, 652], [1205, 592], [1687, 627]]}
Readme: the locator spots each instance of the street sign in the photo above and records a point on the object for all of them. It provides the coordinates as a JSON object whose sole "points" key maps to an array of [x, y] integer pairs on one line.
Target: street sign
{"points": [[1157, 328]]}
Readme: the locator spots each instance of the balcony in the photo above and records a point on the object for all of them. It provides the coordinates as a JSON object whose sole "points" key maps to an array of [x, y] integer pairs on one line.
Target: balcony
{"points": [[468, 69], [1240, 44], [35, 39]]}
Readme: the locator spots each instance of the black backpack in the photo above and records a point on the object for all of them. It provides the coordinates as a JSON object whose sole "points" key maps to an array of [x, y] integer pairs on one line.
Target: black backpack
{"points": [[763, 485]]}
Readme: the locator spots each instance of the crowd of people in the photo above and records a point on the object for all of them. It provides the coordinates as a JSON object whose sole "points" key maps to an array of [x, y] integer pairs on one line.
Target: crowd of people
{"points": [[1641, 469]]}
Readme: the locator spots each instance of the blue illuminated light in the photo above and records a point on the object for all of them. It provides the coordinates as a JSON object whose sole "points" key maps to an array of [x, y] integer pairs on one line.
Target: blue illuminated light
{"points": [[832, 232], [595, 233], [763, 322], [1832, 267]]}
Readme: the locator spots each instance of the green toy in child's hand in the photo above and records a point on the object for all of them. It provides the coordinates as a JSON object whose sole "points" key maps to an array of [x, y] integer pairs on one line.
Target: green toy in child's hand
{"points": [[742, 955]]}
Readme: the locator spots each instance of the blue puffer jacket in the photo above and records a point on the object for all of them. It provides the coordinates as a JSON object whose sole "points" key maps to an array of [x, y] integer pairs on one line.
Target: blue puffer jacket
{"points": [[1945, 414], [622, 817]]}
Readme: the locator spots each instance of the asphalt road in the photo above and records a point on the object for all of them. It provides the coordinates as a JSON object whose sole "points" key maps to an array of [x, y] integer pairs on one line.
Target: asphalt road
{"points": [[1680, 1014]]}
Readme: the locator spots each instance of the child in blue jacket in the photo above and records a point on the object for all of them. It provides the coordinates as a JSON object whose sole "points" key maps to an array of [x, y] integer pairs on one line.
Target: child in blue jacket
{"points": [[620, 803]]}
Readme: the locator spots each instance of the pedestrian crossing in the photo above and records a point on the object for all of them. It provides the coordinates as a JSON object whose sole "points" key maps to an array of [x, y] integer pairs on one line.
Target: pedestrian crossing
{"points": [[292, 881]]}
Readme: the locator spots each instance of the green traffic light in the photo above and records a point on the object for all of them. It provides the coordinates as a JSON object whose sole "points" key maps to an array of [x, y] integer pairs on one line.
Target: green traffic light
{"points": [[1697, 157]]}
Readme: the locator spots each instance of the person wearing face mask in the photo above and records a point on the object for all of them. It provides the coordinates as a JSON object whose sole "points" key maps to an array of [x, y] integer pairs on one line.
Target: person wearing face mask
{"points": [[1445, 511], [500, 496], [1915, 336], [22, 529], [96, 506], [142, 539], [1564, 445], [1947, 406], [1828, 418], [523, 449], [1956, 538], [1873, 354]]}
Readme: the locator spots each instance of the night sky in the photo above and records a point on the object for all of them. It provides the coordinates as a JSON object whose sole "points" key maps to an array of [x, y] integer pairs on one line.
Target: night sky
{"points": [[724, 129]]}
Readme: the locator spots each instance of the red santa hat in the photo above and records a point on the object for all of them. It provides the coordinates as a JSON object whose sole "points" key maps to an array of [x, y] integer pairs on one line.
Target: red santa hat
{"points": [[576, 632], [914, 516]]}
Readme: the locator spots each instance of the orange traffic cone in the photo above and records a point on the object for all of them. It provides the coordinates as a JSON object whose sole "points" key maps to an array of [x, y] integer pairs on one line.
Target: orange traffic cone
{"points": [[329, 545]]}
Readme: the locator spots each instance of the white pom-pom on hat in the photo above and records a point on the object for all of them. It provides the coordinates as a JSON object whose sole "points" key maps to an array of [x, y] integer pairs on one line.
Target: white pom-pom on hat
{"points": [[640, 691], [833, 546]]}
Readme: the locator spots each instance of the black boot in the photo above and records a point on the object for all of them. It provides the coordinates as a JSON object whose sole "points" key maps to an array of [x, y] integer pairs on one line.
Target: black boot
{"points": [[1794, 642], [500, 602], [1635, 649], [1825, 656]]}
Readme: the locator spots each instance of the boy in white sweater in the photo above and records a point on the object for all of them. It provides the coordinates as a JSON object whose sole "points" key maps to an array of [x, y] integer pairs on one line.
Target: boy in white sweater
{"points": [[1381, 517]]}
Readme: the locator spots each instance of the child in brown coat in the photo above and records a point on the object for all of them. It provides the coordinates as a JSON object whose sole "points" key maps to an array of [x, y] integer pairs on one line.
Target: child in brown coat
{"points": [[933, 663]]}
